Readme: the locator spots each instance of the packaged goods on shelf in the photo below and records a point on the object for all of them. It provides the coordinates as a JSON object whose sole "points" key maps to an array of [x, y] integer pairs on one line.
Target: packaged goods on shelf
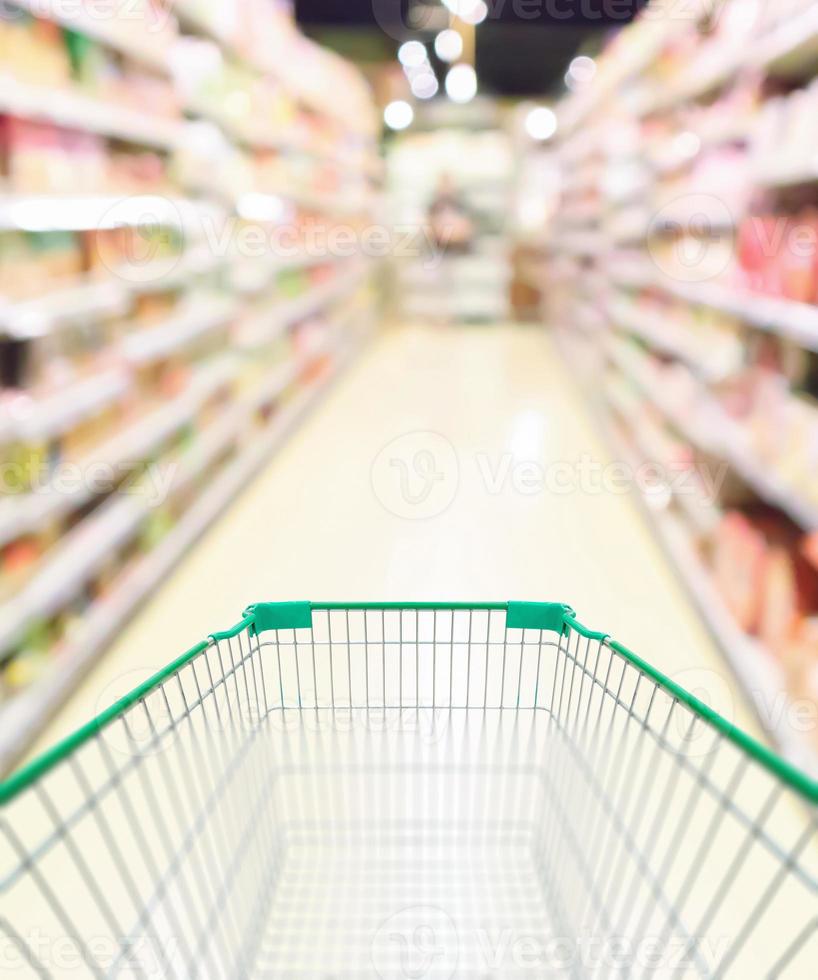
{"points": [[685, 268], [139, 338]]}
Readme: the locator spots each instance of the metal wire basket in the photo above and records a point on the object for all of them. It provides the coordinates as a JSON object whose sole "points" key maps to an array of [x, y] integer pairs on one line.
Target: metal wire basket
{"points": [[409, 791]]}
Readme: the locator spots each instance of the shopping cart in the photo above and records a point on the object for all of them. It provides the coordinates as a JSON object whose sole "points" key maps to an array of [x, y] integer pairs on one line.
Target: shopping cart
{"points": [[412, 790]]}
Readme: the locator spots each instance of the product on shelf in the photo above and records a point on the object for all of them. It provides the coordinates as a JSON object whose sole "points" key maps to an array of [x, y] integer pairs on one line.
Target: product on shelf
{"points": [[119, 348], [684, 267]]}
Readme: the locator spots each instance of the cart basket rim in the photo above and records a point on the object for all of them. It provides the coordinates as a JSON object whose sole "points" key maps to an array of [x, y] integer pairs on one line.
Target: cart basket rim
{"points": [[557, 617]]}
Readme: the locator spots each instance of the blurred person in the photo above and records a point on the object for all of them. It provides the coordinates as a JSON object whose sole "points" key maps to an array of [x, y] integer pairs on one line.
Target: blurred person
{"points": [[449, 219], [451, 233]]}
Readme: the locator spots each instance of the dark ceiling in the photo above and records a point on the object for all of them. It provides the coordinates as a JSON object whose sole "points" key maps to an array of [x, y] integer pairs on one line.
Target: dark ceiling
{"points": [[523, 48]]}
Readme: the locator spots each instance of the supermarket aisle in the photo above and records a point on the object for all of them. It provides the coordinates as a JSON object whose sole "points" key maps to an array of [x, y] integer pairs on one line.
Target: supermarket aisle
{"points": [[451, 464]]}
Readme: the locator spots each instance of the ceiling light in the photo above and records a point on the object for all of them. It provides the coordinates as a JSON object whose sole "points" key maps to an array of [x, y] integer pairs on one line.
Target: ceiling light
{"points": [[398, 114], [473, 12], [412, 54], [469, 11], [541, 123], [461, 83], [424, 85], [448, 45], [582, 69]]}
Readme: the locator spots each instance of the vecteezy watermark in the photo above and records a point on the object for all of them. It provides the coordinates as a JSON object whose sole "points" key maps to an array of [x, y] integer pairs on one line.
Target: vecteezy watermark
{"points": [[147, 729], [67, 479], [423, 942], [691, 238], [156, 223], [398, 19], [318, 239], [160, 225], [694, 738], [423, 724], [507, 949], [593, 477], [694, 238], [62, 955], [417, 476], [417, 943], [154, 14]]}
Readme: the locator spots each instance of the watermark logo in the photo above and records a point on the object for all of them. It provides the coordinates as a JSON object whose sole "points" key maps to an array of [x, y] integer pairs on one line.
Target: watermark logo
{"points": [[399, 19], [697, 739], [151, 251], [416, 476], [146, 729], [41, 478], [417, 943], [155, 15], [690, 239]]}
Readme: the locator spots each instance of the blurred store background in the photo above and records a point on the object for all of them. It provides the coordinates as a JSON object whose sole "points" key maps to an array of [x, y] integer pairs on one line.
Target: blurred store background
{"points": [[210, 207]]}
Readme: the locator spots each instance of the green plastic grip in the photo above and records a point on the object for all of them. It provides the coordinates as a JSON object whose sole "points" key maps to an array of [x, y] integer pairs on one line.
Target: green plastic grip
{"points": [[280, 616], [537, 616]]}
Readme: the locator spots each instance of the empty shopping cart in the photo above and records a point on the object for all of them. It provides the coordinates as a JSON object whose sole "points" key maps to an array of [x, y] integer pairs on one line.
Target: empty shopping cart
{"points": [[409, 790]]}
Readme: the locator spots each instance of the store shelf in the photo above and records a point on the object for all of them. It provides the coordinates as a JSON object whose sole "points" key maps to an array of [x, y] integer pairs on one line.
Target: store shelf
{"points": [[701, 513], [81, 553], [145, 38], [40, 419], [74, 110], [24, 513], [759, 673], [669, 338], [175, 271], [285, 313], [718, 436], [337, 204], [62, 212], [197, 318], [26, 713], [581, 244], [94, 298], [795, 321], [130, 36], [191, 17], [755, 667], [74, 303], [696, 84], [75, 559], [791, 47], [256, 275]]}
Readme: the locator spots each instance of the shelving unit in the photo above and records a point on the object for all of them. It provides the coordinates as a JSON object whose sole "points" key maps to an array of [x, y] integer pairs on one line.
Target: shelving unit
{"points": [[137, 35], [73, 110], [719, 357], [158, 345], [25, 715]]}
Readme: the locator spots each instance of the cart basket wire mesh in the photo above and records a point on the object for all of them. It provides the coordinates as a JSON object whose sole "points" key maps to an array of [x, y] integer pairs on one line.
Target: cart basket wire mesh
{"points": [[409, 790]]}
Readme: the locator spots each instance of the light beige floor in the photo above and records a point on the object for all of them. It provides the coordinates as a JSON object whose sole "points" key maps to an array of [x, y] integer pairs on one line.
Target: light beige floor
{"points": [[327, 520]]}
